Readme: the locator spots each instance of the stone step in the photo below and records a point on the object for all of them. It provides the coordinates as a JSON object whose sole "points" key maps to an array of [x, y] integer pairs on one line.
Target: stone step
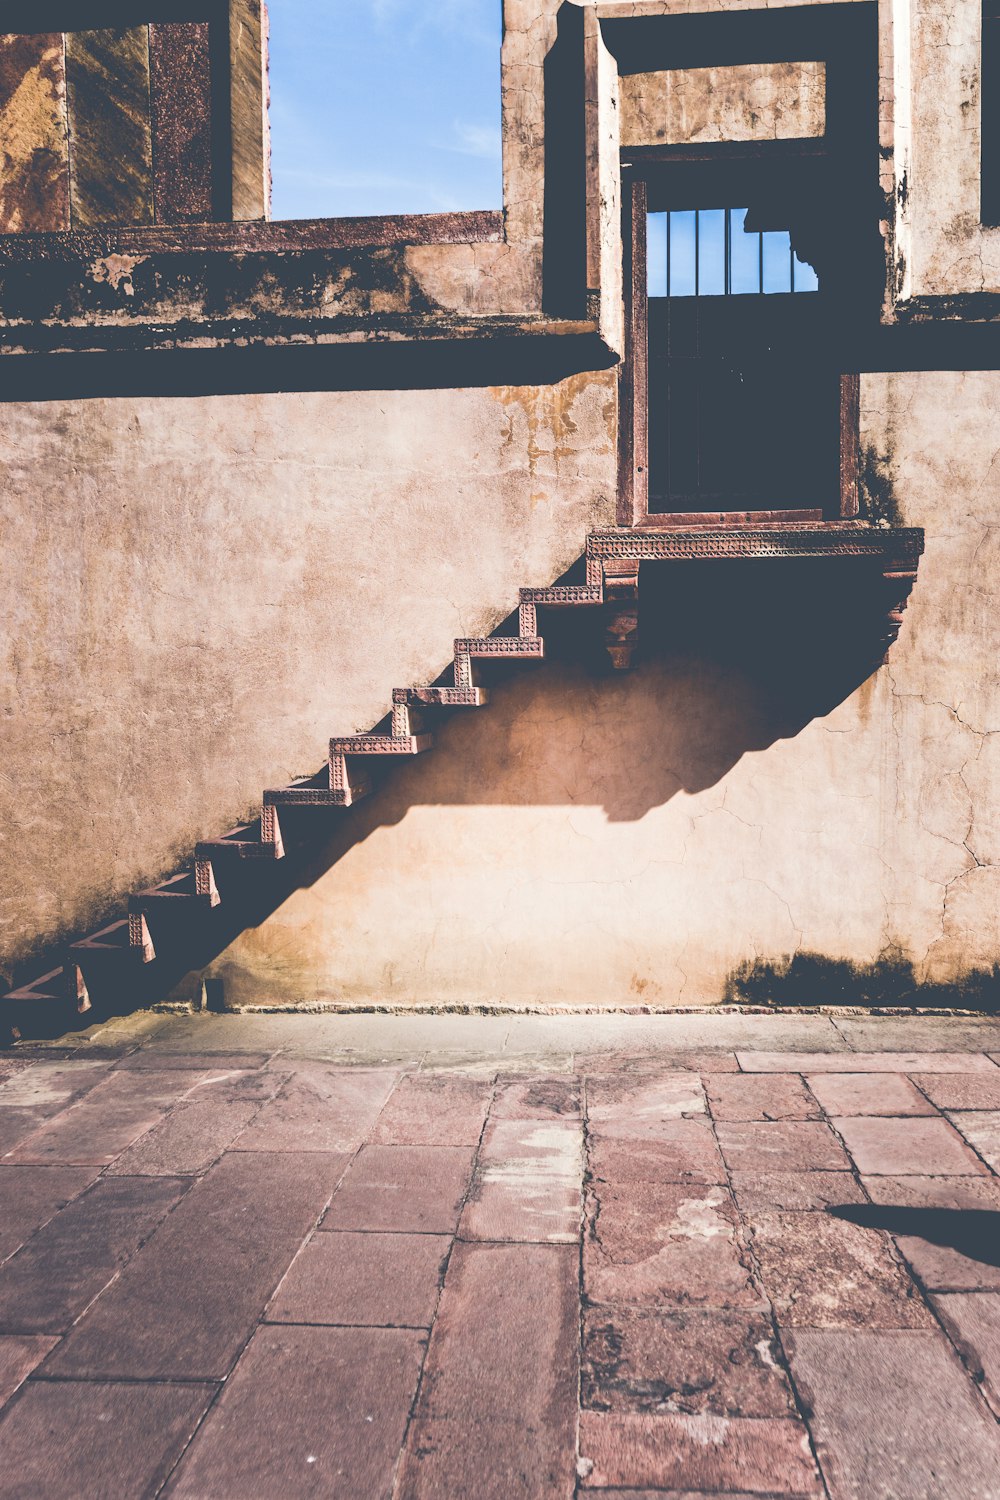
{"points": [[311, 792], [173, 895], [565, 596], [48, 1005], [129, 935], [441, 697], [511, 647], [381, 744], [246, 841]]}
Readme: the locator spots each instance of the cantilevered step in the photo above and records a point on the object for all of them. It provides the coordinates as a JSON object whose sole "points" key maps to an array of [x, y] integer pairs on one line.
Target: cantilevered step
{"points": [[46, 1006], [564, 596], [128, 936], [173, 895], [381, 744], [440, 697], [320, 791], [494, 648], [246, 841]]}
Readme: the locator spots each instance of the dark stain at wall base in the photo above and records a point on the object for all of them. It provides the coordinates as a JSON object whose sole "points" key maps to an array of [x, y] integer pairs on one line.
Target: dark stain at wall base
{"points": [[810, 979]]}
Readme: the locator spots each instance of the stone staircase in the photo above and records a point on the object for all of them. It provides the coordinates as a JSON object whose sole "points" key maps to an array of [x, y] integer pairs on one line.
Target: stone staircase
{"points": [[75, 992]]}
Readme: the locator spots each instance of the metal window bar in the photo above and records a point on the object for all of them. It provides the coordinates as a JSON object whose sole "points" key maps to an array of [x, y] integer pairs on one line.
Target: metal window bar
{"points": [[728, 232]]}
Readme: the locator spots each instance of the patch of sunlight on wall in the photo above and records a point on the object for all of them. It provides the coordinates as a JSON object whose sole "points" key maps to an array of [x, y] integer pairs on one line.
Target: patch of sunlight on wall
{"points": [[384, 106]]}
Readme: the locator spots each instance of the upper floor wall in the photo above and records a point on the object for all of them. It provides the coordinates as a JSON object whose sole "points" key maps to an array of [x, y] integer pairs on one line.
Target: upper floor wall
{"points": [[105, 250]]}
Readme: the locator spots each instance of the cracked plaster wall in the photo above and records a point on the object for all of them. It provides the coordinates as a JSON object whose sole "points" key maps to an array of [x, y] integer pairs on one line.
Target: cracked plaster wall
{"points": [[604, 841], [200, 591]]}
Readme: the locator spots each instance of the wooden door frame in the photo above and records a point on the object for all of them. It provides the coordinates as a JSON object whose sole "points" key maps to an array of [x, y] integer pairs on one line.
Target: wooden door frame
{"points": [[632, 509]]}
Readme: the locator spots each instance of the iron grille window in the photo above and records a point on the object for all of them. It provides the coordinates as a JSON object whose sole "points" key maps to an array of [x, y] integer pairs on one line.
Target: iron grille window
{"points": [[707, 252]]}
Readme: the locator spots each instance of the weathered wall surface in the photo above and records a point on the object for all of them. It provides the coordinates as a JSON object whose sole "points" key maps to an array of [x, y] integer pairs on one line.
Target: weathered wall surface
{"points": [[752, 102], [199, 592], [594, 840]]}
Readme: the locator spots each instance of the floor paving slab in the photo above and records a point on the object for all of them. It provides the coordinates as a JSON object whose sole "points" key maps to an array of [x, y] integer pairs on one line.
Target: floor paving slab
{"points": [[764, 1096], [636, 1060], [982, 1130], [934, 1192], [78, 1441], [757, 1192], [945, 1268], [185, 1307], [722, 1363], [923, 1033], [50, 1086], [416, 1189], [653, 1244], [160, 1060], [188, 1141], [536, 1097], [710, 1454], [972, 1320], [781, 1146], [20, 1353], [31, 1196], [49, 1282], [319, 1108], [528, 1183], [869, 1094], [307, 1412], [496, 1415], [429, 1110], [364, 1280], [887, 1409], [105, 1121], [961, 1090], [822, 1272], [893, 1148], [632, 1107], [686, 1151], [865, 1062]]}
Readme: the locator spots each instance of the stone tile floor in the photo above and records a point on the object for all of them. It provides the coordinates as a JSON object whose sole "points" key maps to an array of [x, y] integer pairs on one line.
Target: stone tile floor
{"points": [[429, 1256]]}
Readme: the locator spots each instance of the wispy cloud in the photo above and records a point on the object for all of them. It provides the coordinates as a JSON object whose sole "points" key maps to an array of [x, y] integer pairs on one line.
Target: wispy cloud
{"points": [[482, 141]]}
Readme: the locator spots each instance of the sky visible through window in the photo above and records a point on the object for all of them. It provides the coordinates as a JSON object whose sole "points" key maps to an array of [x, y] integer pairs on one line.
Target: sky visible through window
{"points": [[708, 251], [384, 106]]}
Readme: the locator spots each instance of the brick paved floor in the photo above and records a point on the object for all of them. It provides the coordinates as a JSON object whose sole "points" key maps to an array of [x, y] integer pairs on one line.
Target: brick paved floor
{"points": [[436, 1257]]}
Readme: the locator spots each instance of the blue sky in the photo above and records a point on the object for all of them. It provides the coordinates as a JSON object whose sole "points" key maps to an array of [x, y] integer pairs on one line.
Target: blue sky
{"points": [[384, 106]]}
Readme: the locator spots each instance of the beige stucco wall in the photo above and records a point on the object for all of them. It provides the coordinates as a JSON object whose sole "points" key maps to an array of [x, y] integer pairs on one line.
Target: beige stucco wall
{"points": [[594, 840], [199, 592], [752, 102]]}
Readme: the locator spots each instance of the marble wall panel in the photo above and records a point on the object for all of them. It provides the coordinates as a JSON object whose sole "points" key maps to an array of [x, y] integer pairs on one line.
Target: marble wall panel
{"points": [[107, 77]]}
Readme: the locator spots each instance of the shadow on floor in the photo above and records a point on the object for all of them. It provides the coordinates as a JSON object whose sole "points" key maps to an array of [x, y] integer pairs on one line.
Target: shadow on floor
{"points": [[974, 1233]]}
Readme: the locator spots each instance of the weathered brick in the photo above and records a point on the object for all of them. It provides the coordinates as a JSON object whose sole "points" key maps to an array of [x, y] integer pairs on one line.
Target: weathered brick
{"points": [[654, 1244], [363, 1280], [307, 1412]]}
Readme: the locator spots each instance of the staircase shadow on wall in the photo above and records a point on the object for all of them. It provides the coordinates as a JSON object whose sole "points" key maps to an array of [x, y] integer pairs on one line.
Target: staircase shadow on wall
{"points": [[734, 657]]}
